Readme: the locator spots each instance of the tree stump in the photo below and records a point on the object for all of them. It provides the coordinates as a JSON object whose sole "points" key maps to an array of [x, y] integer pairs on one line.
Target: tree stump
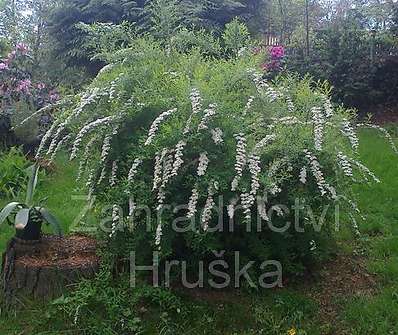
{"points": [[44, 269]]}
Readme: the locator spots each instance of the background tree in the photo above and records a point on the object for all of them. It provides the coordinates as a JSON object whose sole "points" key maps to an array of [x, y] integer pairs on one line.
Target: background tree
{"points": [[12, 23], [165, 17], [236, 36], [68, 39]]}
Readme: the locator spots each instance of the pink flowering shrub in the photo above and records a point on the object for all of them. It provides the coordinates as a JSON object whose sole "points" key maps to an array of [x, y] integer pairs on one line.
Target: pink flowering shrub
{"points": [[17, 83], [20, 94], [277, 52], [274, 59]]}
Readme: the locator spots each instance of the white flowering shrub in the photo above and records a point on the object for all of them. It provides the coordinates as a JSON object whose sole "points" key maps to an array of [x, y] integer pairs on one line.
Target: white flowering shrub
{"points": [[212, 148]]}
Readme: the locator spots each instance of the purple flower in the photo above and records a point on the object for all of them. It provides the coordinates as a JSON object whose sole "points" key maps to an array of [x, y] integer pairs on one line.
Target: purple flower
{"points": [[24, 86], [3, 66], [22, 48], [41, 86], [277, 52], [257, 50], [53, 96], [273, 65]]}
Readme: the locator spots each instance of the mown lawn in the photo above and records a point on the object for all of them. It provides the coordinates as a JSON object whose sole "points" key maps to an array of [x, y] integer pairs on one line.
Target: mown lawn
{"points": [[274, 312]]}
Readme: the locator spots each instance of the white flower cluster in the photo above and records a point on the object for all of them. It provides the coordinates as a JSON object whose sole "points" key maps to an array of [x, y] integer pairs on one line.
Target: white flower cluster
{"points": [[87, 99], [242, 52], [209, 113], [91, 182], [90, 97], [315, 167], [284, 91], [40, 111], [193, 202], [345, 165], [155, 125], [55, 139], [203, 164], [104, 172], [278, 210], [85, 130], [248, 105], [275, 189], [352, 204], [348, 131], [45, 139], [106, 147], [231, 207], [319, 123], [366, 171], [277, 165], [157, 176], [105, 151], [240, 159], [264, 142], [327, 106], [86, 155], [247, 201], [113, 177], [270, 93], [287, 121], [303, 175], [115, 220], [196, 103], [167, 167], [106, 68], [178, 161], [217, 136], [158, 236], [255, 169], [134, 169], [262, 208], [355, 226], [58, 147], [274, 169], [206, 215], [290, 104], [264, 88], [113, 90]]}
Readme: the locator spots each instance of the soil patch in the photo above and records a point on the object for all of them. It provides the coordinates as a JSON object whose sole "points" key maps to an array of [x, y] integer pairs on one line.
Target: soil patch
{"points": [[344, 277]]}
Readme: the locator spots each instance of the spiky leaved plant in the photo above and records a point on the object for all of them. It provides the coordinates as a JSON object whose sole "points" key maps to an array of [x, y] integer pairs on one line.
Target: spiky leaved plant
{"points": [[28, 217]]}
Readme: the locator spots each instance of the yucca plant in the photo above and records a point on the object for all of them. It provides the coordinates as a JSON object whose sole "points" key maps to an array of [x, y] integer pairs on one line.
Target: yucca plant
{"points": [[28, 217]]}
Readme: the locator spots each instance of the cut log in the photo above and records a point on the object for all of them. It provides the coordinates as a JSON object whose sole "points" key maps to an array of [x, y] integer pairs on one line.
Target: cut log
{"points": [[44, 269]]}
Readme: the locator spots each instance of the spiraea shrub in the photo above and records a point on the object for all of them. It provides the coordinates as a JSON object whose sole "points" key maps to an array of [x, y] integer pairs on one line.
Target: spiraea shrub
{"points": [[193, 156]]}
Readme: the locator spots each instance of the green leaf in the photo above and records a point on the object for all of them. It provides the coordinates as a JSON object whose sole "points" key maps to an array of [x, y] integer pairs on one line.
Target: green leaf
{"points": [[34, 170], [7, 210], [22, 218], [49, 218]]}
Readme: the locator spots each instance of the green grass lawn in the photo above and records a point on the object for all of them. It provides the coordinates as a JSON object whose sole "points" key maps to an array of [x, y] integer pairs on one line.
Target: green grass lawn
{"points": [[273, 312], [63, 198]]}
